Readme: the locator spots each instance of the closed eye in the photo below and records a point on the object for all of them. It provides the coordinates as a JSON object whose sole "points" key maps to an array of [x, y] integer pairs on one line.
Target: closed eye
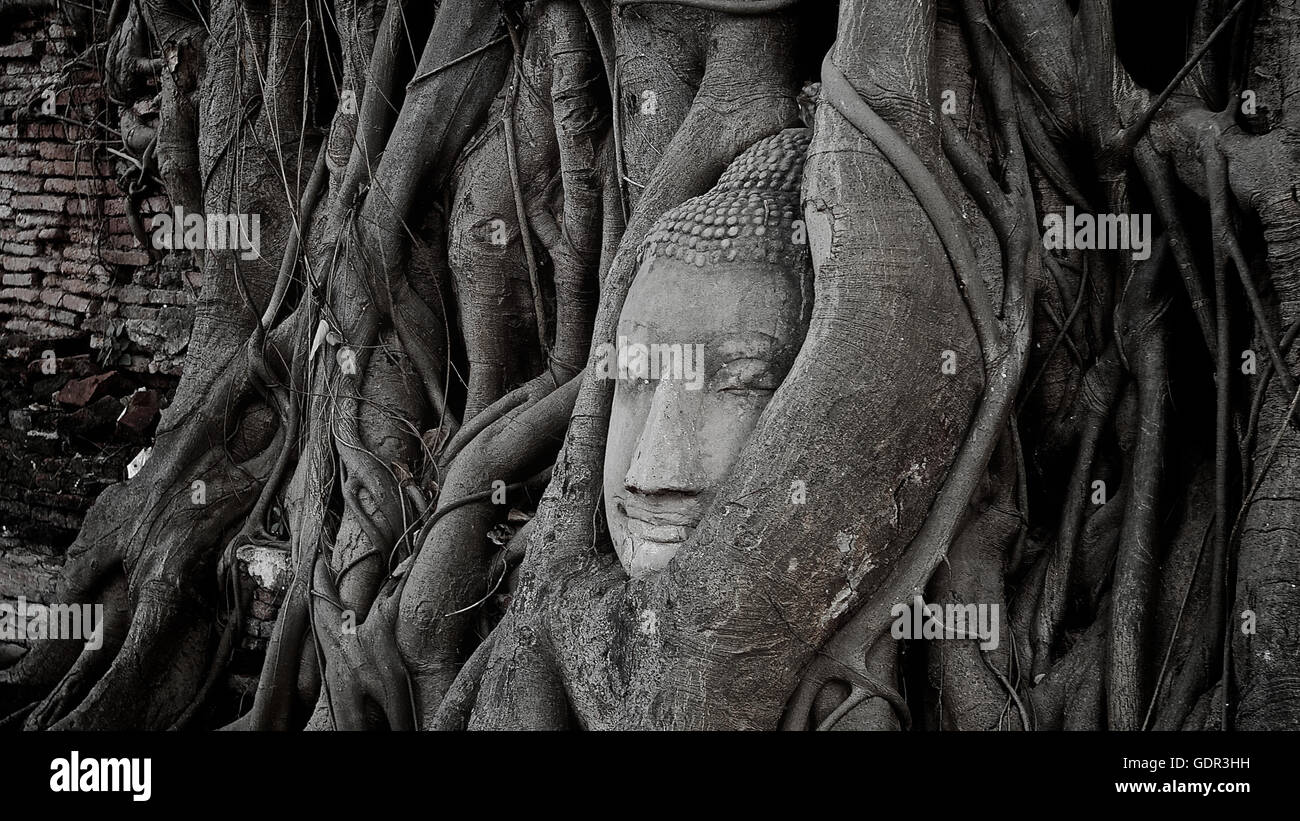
{"points": [[747, 377]]}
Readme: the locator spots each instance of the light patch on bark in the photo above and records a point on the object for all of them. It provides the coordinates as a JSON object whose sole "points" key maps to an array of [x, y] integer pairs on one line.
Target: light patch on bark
{"points": [[269, 566], [839, 605], [817, 217], [648, 623], [844, 541], [138, 462], [913, 474]]}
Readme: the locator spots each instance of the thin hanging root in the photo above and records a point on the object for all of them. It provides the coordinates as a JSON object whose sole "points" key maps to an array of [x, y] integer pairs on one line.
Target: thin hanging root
{"points": [[302, 220], [521, 211], [1100, 391], [424, 75], [1173, 635], [1217, 192], [614, 193], [1264, 468], [1045, 154], [1062, 329], [1261, 391], [1025, 723], [1156, 176], [1215, 169], [614, 223], [1132, 135], [1062, 334]]}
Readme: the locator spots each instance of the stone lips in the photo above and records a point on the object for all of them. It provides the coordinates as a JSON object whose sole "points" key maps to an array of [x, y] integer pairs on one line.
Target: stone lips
{"points": [[747, 217]]}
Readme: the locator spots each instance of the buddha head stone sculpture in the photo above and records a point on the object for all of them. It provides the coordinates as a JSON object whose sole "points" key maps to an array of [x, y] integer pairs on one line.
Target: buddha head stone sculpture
{"points": [[724, 287]]}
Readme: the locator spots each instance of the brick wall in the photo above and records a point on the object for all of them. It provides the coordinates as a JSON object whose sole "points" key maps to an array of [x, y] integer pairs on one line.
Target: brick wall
{"points": [[93, 328]]}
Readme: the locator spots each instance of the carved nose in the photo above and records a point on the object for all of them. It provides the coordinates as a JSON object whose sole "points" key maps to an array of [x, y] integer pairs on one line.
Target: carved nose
{"points": [[667, 458]]}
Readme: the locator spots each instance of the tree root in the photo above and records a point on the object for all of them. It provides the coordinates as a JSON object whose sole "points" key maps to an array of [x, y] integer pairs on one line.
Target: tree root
{"points": [[450, 571]]}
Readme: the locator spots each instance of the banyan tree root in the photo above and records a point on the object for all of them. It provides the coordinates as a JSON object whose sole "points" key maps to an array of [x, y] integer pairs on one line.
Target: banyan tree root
{"points": [[450, 572]]}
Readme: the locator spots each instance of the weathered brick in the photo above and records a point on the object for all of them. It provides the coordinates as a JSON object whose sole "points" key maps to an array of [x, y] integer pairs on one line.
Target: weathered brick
{"points": [[36, 219], [85, 185], [80, 304], [82, 206], [45, 264], [39, 202], [21, 183], [120, 257], [161, 296], [57, 151], [68, 168], [81, 285], [19, 49]]}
